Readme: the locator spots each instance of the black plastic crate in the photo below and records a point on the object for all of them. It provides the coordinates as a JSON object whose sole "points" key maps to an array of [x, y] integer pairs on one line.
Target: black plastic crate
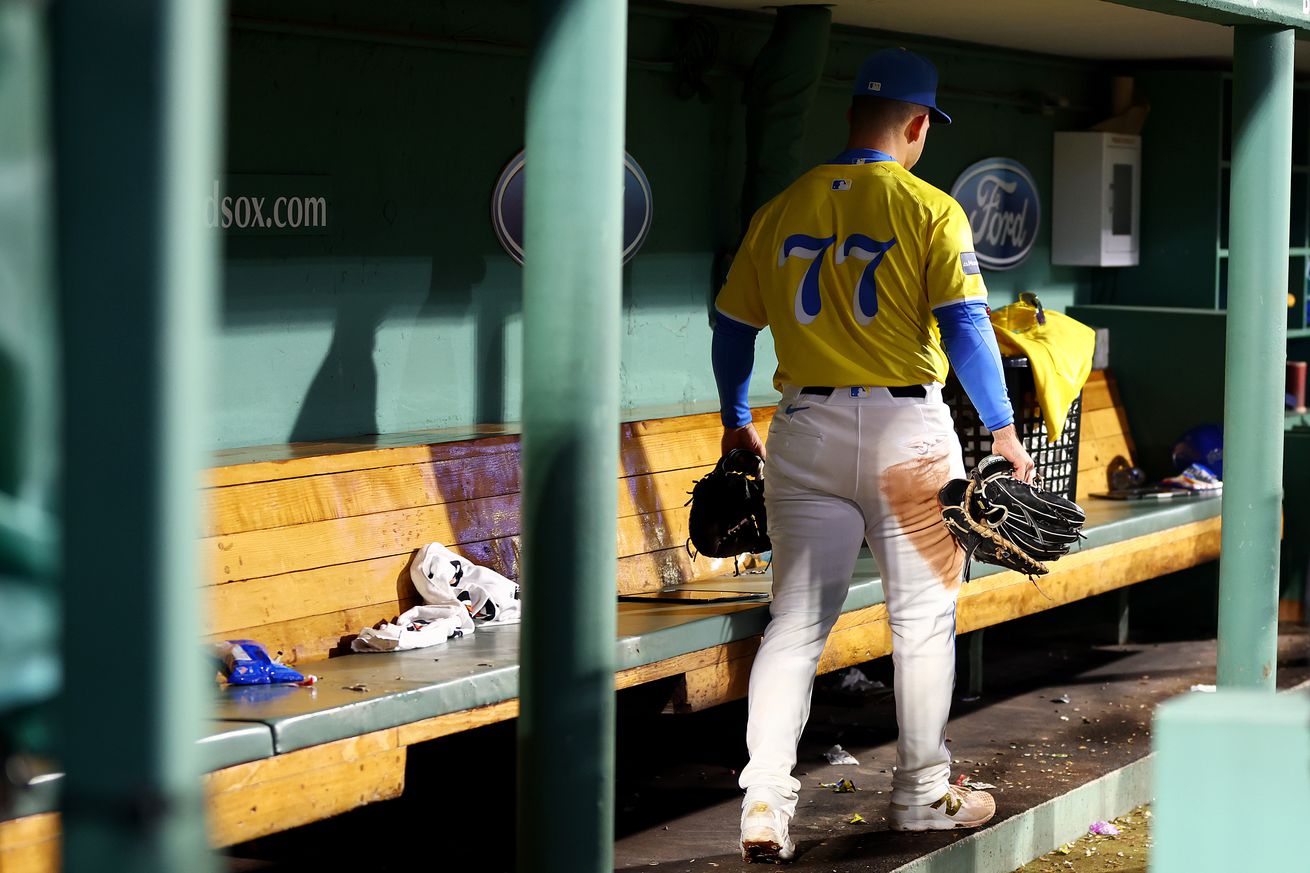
{"points": [[1057, 462]]}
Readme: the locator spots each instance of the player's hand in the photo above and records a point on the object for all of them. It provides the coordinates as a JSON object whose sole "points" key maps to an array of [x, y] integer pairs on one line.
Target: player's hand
{"points": [[1005, 442], [742, 438]]}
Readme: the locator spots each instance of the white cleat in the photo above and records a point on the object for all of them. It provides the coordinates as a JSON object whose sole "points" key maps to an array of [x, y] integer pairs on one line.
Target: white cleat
{"points": [[959, 807], [764, 834]]}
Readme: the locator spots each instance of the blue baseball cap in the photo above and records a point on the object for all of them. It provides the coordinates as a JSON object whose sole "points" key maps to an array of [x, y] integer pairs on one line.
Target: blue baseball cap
{"points": [[898, 74]]}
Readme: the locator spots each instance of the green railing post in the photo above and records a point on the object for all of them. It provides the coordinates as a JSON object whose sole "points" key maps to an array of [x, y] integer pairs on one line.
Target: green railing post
{"points": [[573, 231], [137, 138], [1257, 332], [29, 622]]}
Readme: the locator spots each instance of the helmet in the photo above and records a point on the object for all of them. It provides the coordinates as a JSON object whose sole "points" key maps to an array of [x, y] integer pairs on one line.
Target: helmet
{"points": [[1203, 444]]}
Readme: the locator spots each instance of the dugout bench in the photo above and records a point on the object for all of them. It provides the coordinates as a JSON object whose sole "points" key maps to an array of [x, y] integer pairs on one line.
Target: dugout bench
{"points": [[308, 543]]}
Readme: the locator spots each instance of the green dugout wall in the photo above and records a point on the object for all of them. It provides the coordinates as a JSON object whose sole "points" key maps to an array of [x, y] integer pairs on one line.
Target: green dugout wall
{"points": [[406, 314]]}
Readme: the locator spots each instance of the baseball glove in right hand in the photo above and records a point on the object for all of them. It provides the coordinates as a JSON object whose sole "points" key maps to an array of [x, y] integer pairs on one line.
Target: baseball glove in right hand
{"points": [[1000, 520]]}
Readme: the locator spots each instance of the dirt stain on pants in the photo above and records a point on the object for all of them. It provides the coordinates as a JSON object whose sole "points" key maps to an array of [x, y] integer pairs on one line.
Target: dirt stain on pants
{"points": [[910, 488]]}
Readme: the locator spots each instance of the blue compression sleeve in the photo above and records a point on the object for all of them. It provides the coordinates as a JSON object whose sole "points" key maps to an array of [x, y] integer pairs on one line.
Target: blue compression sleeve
{"points": [[733, 356], [971, 346]]}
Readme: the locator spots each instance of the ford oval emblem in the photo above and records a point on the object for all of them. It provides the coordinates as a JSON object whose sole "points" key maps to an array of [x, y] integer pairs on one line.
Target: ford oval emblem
{"points": [[1000, 198], [507, 207]]}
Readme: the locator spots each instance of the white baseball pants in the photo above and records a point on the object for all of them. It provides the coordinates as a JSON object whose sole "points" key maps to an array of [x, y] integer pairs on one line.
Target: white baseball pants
{"points": [[841, 470]]}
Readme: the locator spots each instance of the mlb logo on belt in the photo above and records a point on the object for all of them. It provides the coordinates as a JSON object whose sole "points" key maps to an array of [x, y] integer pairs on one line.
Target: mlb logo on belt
{"points": [[859, 392]]}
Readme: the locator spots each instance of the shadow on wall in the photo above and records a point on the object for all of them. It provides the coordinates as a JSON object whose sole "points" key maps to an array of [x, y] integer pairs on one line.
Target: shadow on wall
{"points": [[343, 395], [346, 384]]}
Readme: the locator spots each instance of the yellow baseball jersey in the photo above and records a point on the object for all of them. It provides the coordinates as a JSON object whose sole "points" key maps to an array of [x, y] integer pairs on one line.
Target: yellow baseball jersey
{"points": [[845, 267]]}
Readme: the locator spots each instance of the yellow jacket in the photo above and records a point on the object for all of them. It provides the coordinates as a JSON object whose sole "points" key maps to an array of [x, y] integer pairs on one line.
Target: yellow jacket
{"points": [[1058, 350]]}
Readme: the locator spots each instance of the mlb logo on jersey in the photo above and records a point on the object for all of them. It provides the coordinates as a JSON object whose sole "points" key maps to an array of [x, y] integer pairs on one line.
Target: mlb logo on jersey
{"points": [[875, 86], [841, 184]]}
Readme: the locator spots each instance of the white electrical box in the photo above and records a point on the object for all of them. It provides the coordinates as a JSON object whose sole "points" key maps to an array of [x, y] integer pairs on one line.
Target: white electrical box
{"points": [[1096, 199]]}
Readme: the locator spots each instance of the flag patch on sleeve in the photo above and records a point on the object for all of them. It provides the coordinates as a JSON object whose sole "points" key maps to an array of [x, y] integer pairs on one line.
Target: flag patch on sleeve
{"points": [[969, 263]]}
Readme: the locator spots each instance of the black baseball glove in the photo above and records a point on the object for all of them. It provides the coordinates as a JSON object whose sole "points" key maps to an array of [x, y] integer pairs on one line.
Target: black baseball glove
{"points": [[727, 508], [1000, 520]]}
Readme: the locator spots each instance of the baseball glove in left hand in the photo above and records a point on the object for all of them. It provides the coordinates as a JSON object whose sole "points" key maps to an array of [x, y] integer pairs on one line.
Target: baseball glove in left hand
{"points": [[727, 508], [1000, 520]]}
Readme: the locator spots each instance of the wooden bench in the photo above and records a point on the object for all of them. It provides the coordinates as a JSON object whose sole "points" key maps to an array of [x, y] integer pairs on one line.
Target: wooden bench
{"points": [[307, 544]]}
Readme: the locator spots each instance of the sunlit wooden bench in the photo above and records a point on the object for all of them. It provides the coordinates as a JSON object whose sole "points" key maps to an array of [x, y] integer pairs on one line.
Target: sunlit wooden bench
{"points": [[306, 544]]}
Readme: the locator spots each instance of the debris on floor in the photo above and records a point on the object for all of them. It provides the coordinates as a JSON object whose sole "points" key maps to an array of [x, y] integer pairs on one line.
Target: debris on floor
{"points": [[854, 680], [842, 786], [838, 755], [1123, 848]]}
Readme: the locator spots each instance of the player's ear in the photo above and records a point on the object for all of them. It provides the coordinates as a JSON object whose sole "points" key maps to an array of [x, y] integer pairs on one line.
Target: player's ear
{"points": [[918, 126]]}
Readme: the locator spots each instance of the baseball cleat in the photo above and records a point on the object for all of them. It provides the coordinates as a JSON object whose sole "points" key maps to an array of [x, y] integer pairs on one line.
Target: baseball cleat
{"points": [[764, 835], [959, 807]]}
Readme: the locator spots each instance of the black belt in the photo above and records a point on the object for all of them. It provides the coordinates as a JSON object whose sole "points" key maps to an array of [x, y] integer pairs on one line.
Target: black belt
{"points": [[893, 390]]}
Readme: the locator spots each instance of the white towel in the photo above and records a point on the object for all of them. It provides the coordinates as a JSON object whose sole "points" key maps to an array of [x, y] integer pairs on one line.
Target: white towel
{"points": [[441, 576], [416, 628]]}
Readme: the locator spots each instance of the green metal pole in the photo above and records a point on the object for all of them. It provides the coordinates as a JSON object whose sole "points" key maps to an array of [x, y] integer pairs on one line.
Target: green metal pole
{"points": [[137, 143], [1257, 349], [572, 288], [29, 620]]}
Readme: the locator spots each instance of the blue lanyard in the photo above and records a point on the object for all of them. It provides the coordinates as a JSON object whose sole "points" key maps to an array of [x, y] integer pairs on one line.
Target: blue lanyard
{"points": [[861, 156]]}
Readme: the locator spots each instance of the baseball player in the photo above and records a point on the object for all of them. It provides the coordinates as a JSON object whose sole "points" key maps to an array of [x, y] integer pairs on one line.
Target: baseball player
{"points": [[867, 278]]}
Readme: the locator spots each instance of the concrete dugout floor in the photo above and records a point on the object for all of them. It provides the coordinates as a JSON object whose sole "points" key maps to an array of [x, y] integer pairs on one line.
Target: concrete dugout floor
{"points": [[677, 799]]}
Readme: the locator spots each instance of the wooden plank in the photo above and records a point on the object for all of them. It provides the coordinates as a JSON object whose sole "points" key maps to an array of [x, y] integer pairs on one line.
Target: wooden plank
{"points": [[263, 797], [1099, 424], [253, 603], [1096, 392], [316, 625], [316, 637], [262, 505], [270, 463], [379, 582], [309, 613], [455, 722], [257, 553], [660, 569], [253, 800], [30, 844], [865, 634], [312, 459], [1098, 454], [1095, 571]]}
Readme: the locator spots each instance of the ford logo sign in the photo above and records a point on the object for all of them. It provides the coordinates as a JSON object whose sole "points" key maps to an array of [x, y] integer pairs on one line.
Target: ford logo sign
{"points": [[1000, 198], [507, 207]]}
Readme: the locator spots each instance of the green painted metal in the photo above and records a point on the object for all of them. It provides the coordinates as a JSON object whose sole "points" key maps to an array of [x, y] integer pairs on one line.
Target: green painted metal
{"points": [[1216, 810], [976, 663], [28, 445], [572, 289], [1017, 839], [1122, 610], [1257, 327], [779, 95], [137, 134], [1295, 560], [1285, 13], [408, 315]]}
